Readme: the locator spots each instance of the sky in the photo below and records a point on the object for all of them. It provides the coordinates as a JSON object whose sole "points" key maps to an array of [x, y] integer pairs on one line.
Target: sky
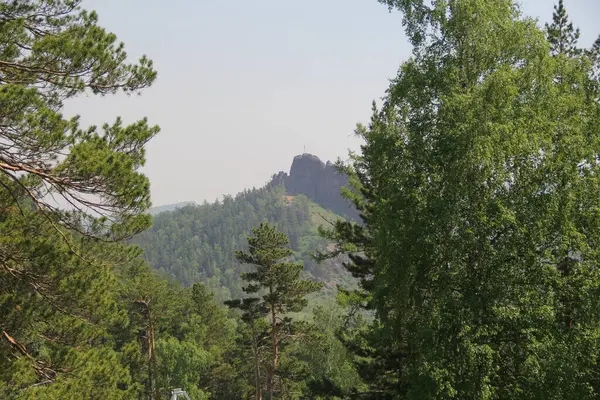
{"points": [[244, 86]]}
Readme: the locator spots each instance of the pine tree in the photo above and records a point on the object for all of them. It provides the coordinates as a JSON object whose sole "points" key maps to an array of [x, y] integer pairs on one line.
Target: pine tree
{"points": [[65, 191], [52, 51], [254, 335], [284, 291], [561, 34], [377, 359], [57, 311]]}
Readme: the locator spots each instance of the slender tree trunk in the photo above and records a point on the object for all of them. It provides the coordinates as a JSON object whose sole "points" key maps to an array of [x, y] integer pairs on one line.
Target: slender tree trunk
{"points": [[152, 344], [274, 337], [256, 365], [257, 376], [145, 303]]}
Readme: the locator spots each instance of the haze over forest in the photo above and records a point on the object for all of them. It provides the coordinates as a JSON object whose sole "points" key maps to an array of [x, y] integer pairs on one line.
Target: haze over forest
{"points": [[223, 236]]}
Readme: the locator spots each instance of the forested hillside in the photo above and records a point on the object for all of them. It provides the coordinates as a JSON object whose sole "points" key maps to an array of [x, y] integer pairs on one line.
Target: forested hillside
{"points": [[196, 243], [476, 249]]}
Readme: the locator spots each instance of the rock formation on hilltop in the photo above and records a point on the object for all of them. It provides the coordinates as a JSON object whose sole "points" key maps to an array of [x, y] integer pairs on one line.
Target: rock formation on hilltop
{"points": [[321, 182]]}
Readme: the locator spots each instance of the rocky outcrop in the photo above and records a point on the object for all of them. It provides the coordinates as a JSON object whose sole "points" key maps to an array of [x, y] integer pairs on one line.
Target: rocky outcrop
{"points": [[319, 181]]}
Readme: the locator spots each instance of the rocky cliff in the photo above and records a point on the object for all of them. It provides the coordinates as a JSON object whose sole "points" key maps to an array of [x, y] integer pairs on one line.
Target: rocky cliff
{"points": [[319, 181]]}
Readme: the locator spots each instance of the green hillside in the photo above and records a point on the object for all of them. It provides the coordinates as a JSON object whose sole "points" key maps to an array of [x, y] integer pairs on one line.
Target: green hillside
{"points": [[196, 243]]}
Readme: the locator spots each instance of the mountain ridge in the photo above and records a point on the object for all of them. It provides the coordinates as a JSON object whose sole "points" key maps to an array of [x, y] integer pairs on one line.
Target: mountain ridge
{"points": [[197, 242], [320, 181]]}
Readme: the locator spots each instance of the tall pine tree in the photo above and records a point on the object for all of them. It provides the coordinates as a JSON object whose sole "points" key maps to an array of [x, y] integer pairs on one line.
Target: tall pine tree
{"points": [[282, 289], [561, 34], [65, 190]]}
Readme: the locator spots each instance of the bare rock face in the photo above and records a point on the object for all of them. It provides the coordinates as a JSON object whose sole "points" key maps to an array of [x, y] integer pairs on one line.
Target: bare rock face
{"points": [[319, 182]]}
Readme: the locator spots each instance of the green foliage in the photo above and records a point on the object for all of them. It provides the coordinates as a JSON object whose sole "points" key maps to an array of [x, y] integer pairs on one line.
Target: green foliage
{"points": [[181, 364], [561, 34], [56, 308], [194, 339], [50, 52], [283, 291], [479, 184], [198, 243], [87, 319], [58, 305], [99, 375], [328, 359]]}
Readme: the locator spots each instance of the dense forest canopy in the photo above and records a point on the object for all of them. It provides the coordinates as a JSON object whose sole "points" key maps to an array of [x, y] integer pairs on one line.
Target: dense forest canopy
{"points": [[476, 255], [197, 243]]}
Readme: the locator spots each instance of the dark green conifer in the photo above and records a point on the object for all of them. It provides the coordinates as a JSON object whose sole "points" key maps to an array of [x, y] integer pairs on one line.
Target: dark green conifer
{"points": [[281, 290], [561, 34], [57, 301]]}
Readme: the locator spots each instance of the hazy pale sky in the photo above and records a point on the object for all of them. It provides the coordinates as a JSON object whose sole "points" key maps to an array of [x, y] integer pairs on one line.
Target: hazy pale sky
{"points": [[244, 85]]}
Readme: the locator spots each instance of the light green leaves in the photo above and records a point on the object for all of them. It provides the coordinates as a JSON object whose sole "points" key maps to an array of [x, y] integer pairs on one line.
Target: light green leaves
{"points": [[483, 185]]}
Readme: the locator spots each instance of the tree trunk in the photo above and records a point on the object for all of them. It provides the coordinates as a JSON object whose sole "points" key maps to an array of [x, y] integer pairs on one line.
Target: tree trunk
{"points": [[152, 356], [274, 337], [256, 365], [145, 303]]}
